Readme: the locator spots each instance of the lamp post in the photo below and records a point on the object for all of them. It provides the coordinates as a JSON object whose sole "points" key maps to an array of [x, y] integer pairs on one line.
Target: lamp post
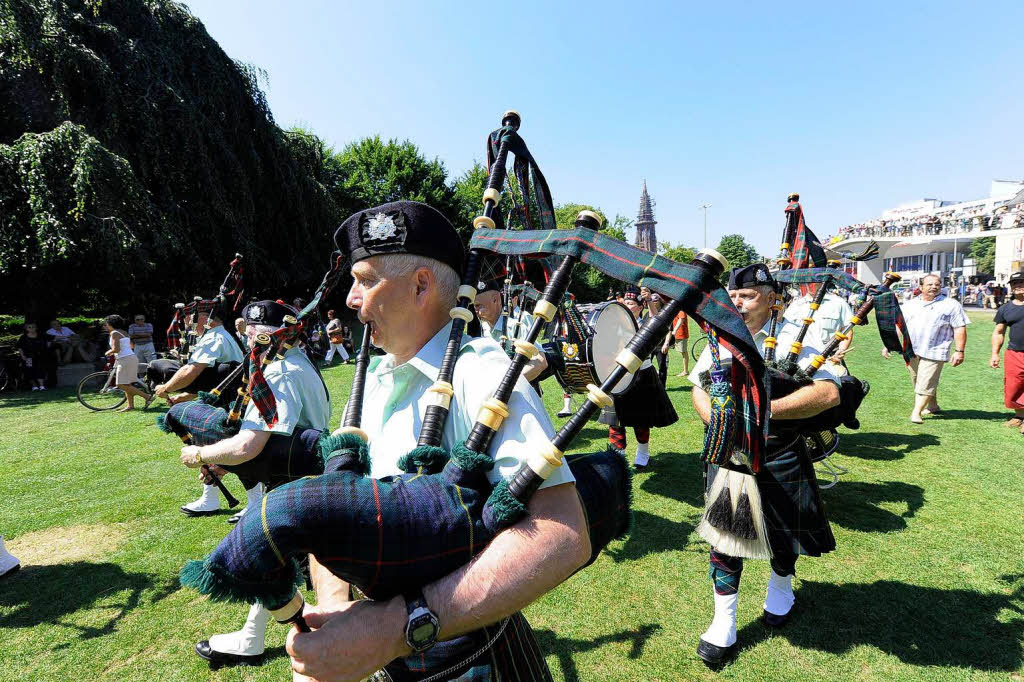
{"points": [[705, 208]]}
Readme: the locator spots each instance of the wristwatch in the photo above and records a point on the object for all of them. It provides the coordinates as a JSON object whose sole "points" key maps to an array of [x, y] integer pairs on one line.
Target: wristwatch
{"points": [[422, 627]]}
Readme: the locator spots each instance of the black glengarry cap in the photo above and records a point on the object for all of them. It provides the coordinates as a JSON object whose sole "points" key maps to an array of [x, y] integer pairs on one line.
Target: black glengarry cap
{"points": [[270, 313], [750, 276], [400, 227]]}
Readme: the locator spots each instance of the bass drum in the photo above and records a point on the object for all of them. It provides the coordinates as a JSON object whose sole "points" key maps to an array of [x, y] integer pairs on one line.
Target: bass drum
{"points": [[610, 326]]}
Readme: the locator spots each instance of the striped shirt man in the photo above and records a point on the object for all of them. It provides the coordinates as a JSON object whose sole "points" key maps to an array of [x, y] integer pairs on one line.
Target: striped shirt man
{"points": [[931, 325]]}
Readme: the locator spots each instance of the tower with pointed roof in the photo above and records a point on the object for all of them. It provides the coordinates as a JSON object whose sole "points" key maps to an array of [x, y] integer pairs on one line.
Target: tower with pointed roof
{"points": [[646, 239]]}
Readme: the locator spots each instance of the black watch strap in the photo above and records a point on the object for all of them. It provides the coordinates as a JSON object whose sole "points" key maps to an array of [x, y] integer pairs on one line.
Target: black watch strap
{"points": [[422, 626]]}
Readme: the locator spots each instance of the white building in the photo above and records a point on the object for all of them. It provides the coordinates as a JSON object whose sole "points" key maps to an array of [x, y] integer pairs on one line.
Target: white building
{"points": [[933, 236]]}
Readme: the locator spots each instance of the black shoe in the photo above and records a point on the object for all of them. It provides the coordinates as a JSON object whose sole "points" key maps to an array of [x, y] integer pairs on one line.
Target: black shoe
{"points": [[219, 658], [774, 621], [713, 655], [235, 518], [189, 512], [563, 414]]}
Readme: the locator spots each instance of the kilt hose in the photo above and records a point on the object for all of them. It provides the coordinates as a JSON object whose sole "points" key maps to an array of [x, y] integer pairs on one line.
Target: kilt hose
{"points": [[794, 514], [1013, 379], [645, 404]]}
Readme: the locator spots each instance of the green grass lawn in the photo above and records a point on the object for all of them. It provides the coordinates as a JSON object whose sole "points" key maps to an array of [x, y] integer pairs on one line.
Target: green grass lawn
{"points": [[927, 581]]}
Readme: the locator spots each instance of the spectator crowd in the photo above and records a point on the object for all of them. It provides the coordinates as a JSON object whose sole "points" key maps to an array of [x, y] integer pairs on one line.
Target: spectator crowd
{"points": [[966, 220]]}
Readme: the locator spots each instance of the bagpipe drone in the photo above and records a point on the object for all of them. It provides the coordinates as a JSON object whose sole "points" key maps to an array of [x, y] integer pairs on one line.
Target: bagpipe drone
{"points": [[393, 535]]}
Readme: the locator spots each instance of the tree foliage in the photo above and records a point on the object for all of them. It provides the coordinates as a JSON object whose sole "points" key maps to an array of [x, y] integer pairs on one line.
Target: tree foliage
{"points": [[983, 251], [737, 251], [135, 156], [677, 252]]}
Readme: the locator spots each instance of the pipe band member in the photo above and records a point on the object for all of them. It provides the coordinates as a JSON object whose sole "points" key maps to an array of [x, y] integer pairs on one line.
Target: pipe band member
{"points": [[644, 405], [794, 520], [302, 403], [504, 329], [215, 355], [406, 259]]}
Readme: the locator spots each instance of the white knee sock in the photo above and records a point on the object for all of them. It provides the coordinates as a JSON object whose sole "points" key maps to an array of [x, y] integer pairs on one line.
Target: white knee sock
{"points": [[643, 456], [566, 403], [779, 599], [722, 631]]}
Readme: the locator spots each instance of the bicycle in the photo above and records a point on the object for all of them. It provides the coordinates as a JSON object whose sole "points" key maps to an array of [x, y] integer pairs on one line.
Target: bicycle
{"points": [[698, 346], [98, 392]]}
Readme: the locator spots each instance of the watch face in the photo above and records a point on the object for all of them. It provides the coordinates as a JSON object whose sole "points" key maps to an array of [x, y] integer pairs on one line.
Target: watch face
{"points": [[423, 632]]}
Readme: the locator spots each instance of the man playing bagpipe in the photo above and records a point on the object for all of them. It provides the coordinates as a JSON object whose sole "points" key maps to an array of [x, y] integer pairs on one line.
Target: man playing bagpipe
{"points": [[644, 405], [216, 354], [406, 257], [503, 329], [262, 454], [777, 512], [832, 315]]}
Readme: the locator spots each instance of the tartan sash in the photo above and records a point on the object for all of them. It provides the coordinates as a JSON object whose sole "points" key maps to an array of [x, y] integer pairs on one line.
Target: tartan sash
{"points": [[174, 330], [259, 391], [702, 295]]}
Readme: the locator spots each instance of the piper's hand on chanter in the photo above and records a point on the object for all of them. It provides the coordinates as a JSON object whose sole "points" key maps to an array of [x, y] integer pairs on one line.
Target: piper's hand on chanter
{"points": [[840, 355], [190, 456], [349, 642], [160, 391], [993, 361]]}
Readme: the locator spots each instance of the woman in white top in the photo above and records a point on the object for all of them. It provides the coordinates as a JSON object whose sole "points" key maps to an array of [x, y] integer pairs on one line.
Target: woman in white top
{"points": [[126, 363]]}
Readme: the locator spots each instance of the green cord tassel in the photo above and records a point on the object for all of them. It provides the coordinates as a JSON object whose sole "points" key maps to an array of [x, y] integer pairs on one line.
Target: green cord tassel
{"points": [[721, 431]]}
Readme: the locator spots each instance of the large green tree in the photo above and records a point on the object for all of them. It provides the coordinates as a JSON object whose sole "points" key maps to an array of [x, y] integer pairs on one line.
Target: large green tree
{"points": [[738, 251], [136, 157], [374, 171]]}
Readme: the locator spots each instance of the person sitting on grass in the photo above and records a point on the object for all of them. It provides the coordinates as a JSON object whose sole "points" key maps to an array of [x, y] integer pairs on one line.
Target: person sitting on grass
{"points": [[126, 362], [32, 346]]}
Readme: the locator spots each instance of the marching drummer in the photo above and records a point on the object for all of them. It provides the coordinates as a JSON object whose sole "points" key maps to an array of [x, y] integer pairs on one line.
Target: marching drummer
{"points": [[644, 405]]}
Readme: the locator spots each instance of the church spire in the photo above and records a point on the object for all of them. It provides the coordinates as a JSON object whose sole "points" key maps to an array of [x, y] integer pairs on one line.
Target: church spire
{"points": [[646, 238]]}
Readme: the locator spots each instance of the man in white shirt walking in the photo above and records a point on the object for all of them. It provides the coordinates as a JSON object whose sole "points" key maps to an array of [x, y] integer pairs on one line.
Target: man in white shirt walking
{"points": [[935, 323]]}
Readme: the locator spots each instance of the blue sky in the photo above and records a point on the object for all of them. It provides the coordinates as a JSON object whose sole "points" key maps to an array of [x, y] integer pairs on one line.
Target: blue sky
{"points": [[858, 107]]}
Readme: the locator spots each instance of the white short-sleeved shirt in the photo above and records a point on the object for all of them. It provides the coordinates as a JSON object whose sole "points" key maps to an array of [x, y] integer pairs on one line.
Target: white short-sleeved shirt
{"points": [[302, 400], [834, 315], [516, 328], [216, 345], [396, 399], [931, 325], [786, 334]]}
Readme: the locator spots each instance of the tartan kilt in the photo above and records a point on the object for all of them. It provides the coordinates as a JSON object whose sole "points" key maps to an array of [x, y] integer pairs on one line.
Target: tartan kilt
{"points": [[514, 656], [284, 458], [645, 404], [161, 370], [794, 514]]}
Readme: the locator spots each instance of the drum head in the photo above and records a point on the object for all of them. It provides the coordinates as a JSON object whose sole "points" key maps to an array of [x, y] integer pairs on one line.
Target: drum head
{"points": [[613, 327]]}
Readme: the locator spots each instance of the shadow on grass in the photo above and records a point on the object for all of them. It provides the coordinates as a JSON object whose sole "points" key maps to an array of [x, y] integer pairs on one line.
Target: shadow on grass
{"points": [[855, 505], [921, 626], [983, 415], [675, 475], [651, 534], [38, 595], [564, 648], [884, 446]]}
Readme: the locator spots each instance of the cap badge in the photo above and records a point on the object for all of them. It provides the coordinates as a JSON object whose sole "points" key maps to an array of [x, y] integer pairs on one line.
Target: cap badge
{"points": [[383, 229], [256, 313], [760, 275]]}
